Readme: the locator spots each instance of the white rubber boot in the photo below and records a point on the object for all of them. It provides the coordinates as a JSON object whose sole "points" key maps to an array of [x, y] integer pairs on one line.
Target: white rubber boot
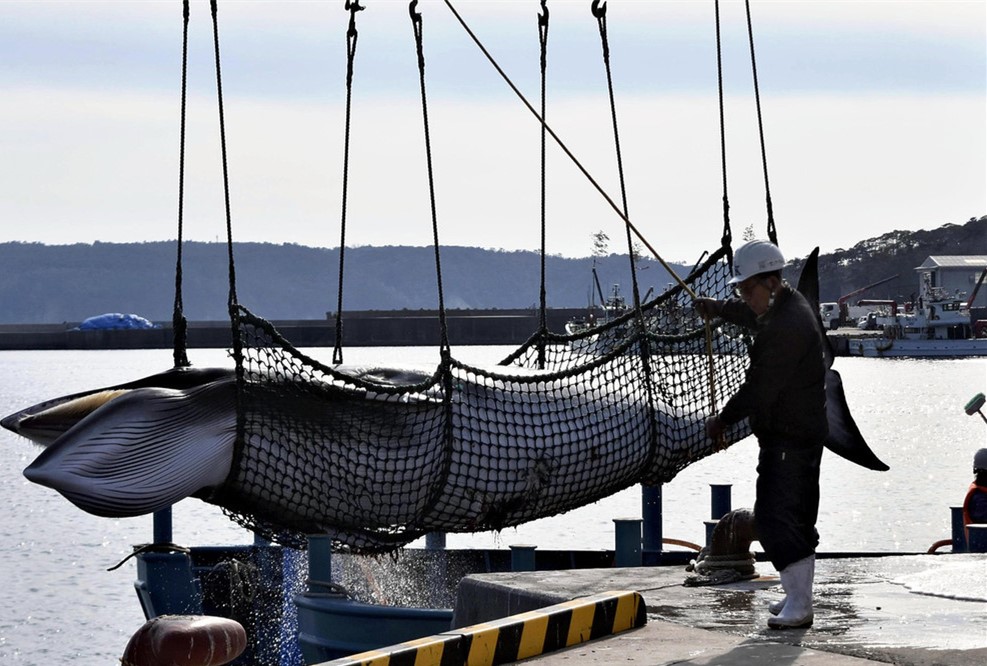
{"points": [[796, 578]]}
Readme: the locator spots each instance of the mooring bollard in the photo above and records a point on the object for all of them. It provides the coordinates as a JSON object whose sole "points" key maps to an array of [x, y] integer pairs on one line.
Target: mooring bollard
{"points": [[162, 526], [719, 500], [435, 541], [651, 526], [319, 558], [977, 542], [959, 533], [710, 526], [523, 557], [627, 535]]}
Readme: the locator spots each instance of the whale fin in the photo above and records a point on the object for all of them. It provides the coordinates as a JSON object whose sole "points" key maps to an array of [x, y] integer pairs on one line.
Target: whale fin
{"points": [[142, 451], [844, 437]]}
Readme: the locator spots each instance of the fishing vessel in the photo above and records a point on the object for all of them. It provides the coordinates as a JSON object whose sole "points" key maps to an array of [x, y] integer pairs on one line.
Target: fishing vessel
{"points": [[593, 334], [942, 322]]}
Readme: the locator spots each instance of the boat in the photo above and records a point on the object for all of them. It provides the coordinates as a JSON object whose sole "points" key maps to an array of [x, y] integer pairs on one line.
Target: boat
{"points": [[593, 334], [938, 324]]}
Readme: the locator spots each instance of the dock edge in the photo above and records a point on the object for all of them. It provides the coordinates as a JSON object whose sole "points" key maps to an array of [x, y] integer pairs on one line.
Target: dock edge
{"points": [[515, 637]]}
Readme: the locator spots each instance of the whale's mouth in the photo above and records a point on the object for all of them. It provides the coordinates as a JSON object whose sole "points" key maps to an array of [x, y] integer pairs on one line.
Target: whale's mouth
{"points": [[44, 426]]}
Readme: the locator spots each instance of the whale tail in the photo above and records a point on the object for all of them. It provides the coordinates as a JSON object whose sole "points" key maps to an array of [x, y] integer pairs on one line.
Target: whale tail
{"points": [[844, 439]]}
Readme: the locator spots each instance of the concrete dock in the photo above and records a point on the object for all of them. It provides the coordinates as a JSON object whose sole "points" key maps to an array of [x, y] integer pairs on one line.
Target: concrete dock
{"points": [[914, 610]]}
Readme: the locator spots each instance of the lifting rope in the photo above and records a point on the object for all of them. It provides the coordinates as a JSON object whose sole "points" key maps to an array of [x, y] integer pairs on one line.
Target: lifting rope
{"points": [[543, 296], [351, 37], [232, 303], [772, 232], [727, 235], [445, 366], [178, 323], [416, 23], [599, 10]]}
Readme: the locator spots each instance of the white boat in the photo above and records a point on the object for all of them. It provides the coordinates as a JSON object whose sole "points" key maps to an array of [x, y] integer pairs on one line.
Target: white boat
{"points": [[940, 326], [587, 339]]}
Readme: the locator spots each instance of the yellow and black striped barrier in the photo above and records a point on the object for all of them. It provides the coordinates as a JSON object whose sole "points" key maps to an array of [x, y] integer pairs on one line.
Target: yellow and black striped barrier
{"points": [[515, 637]]}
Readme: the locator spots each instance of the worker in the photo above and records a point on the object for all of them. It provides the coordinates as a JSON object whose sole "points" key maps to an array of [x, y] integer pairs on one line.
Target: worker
{"points": [[975, 503], [784, 397]]}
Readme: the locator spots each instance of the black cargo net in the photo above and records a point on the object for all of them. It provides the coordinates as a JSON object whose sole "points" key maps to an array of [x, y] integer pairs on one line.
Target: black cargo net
{"points": [[376, 457]]}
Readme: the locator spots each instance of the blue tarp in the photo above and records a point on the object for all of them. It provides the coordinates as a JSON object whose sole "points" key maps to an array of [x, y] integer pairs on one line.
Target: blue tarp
{"points": [[115, 320]]}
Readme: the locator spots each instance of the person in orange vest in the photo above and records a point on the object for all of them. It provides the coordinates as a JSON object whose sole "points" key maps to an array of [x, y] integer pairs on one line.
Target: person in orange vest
{"points": [[975, 503]]}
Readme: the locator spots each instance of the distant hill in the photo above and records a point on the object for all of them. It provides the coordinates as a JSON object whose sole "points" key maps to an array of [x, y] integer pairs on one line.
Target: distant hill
{"points": [[894, 253], [67, 283]]}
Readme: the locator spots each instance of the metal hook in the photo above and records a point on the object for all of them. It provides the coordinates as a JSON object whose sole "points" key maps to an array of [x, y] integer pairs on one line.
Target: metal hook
{"points": [[353, 7], [416, 16], [543, 17], [599, 8]]}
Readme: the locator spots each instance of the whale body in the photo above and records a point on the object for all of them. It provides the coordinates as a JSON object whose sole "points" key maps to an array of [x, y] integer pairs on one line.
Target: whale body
{"points": [[136, 448]]}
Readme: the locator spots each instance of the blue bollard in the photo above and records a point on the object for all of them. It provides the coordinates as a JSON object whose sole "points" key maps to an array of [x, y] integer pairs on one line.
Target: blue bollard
{"points": [[523, 557], [319, 559], [627, 533], [435, 541], [651, 526], [162, 526], [977, 542], [959, 533], [719, 496], [710, 526]]}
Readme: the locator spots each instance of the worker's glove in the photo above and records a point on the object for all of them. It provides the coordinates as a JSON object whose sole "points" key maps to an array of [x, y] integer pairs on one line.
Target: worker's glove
{"points": [[707, 307], [714, 427]]}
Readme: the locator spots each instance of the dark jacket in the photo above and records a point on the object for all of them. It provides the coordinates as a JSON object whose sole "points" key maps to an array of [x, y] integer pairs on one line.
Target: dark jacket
{"points": [[784, 394]]}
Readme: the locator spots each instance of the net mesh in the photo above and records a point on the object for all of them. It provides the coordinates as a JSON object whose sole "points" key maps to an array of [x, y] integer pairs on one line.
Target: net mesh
{"points": [[376, 457]]}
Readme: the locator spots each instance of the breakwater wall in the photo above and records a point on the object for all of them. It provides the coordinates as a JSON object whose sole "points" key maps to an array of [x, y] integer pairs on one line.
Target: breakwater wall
{"points": [[371, 328]]}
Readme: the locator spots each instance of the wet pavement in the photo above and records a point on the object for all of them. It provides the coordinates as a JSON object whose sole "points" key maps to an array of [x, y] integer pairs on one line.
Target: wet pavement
{"points": [[916, 610]]}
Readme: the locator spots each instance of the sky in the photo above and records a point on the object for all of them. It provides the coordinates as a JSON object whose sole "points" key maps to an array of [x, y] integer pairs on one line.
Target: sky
{"points": [[874, 114]]}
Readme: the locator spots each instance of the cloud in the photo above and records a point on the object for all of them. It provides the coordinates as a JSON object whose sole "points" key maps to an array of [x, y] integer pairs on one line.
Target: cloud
{"points": [[873, 113]]}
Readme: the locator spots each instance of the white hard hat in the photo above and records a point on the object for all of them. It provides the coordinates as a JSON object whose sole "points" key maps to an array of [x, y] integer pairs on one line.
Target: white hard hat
{"points": [[754, 258], [980, 459]]}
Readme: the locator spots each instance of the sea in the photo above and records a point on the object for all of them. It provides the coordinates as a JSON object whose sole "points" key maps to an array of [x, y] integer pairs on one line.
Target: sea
{"points": [[59, 604]]}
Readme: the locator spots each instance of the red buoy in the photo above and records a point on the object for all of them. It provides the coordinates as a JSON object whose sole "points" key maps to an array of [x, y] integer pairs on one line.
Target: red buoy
{"points": [[185, 640]]}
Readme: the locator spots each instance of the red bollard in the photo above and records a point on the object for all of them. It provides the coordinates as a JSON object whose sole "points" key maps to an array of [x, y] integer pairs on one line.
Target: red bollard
{"points": [[185, 640]]}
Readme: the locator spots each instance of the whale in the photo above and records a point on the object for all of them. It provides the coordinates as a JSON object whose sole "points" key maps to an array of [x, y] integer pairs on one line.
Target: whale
{"points": [[136, 448]]}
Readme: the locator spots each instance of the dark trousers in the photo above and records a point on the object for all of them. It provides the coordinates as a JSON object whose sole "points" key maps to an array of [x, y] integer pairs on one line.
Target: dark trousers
{"points": [[787, 502]]}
